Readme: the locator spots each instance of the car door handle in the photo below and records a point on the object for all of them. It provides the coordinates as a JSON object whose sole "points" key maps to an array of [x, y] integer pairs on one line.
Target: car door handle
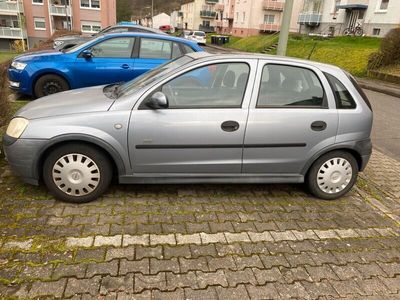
{"points": [[125, 66], [318, 126], [230, 126]]}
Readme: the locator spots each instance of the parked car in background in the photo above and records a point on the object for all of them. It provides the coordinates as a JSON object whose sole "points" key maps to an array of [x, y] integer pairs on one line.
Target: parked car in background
{"points": [[167, 28], [185, 34], [258, 119], [111, 58], [68, 41], [198, 36]]}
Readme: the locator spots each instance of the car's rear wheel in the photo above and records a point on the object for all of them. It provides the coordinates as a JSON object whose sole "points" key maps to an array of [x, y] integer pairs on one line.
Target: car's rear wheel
{"points": [[77, 173], [332, 175], [50, 84]]}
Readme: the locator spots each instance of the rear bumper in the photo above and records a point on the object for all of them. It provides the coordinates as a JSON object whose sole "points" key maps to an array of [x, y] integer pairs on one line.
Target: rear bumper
{"points": [[22, 156], [364, 148]]}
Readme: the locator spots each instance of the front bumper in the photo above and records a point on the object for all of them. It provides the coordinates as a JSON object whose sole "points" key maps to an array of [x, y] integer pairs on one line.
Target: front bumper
{"points": [[22, 156], [19, 81]]}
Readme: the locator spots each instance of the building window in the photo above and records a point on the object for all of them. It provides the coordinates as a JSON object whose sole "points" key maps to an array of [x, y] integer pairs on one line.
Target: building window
{"points": [[90, 4], [37, 1], [269, 19], [244, 16], [376, 31], [91, 27], [40, 23], [384, 5]]}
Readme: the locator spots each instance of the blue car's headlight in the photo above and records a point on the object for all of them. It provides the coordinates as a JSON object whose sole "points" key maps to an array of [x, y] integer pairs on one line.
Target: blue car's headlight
{"points": [[18, 65]]}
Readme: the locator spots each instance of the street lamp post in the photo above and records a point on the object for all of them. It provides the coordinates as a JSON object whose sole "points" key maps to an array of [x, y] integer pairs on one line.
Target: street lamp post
{"points": [[284, 34]]}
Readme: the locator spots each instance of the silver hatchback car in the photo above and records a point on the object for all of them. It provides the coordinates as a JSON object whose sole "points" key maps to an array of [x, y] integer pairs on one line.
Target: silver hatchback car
{"points": [[201, 118]]}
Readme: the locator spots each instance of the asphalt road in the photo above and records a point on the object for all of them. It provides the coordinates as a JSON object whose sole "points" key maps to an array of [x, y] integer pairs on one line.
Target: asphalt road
{"points": [[386, 129]]}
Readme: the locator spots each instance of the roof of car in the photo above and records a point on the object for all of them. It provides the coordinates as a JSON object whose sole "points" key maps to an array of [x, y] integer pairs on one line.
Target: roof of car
{"points": [[150, 35], [242, 55]]}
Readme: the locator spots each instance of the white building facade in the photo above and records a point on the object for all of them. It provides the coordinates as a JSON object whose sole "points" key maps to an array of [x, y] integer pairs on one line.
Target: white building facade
{"points": [[199, 15], [376, 17]]}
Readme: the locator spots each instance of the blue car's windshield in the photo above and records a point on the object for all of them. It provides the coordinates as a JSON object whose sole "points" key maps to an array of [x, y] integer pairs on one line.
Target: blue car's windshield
{"points": [[149, 77]]}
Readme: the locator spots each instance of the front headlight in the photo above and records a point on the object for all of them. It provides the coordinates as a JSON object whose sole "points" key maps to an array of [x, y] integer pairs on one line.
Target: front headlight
{"points": [[17, 127], [18, 65]]}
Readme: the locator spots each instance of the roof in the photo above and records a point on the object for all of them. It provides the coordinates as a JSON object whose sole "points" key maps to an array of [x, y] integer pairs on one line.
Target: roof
{"points": [[150, 35], [209, 56]]}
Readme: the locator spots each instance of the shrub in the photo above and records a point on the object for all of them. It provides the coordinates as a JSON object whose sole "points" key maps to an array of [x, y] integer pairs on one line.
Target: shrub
{"points": [[4, 92], [375, 61], [390, 47], [19, 46]]}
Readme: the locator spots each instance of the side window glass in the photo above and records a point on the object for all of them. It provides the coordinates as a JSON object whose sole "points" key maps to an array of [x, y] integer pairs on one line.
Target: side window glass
{"points": [[176, 51], [288, 86], [214, 86], [343, 98], [118, 30], [188, 49], [152, 48], [114, 48]]}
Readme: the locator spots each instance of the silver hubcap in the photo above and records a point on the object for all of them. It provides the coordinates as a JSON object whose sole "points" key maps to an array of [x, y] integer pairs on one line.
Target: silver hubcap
{"points": [[334, 175], [76, 174]]}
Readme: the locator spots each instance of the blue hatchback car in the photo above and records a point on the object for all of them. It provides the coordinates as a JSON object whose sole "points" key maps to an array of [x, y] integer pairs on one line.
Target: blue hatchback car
{"points": [[106, 59]]}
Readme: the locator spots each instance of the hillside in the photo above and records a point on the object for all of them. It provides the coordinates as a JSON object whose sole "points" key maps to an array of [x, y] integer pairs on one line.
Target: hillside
{"points": [[142, 7]]}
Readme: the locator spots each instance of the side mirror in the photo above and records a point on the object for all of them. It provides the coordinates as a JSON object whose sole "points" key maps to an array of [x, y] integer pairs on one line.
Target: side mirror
{"points": [[157, 101], [87, 54]]}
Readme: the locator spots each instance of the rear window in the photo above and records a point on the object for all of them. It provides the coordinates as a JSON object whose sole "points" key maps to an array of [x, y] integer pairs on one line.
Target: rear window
{"points": [[343, 98], [360, 91], [198, 33]]}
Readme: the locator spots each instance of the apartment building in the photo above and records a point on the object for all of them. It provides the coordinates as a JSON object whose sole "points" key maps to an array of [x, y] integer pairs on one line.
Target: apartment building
{"points": [[199, 15], [376, 17], [41, 18], [250, 17]]}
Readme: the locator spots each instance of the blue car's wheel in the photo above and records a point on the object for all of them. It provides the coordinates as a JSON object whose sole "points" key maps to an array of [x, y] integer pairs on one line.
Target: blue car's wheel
{"points": [[50, 84]]}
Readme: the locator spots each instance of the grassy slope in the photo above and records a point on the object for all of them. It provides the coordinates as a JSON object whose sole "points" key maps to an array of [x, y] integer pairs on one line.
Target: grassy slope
{"points": [[4, 56], [350, 53]]}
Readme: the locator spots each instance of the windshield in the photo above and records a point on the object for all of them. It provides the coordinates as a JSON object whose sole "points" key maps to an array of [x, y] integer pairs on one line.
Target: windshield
{"points": [[149, 77], [81, 46]]}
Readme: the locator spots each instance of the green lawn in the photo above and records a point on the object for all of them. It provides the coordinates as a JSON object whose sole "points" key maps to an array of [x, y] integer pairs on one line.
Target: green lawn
{"points": [[4, 56], [349, 53]]}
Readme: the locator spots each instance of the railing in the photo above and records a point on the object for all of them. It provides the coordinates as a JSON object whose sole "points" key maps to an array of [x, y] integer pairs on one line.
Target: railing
{"points": [[219, 7], [58, 10], [270, 27], [273, 5], [311, 18], [208, 14], [11, 7], [9, 32], [206, 28], [212, 1]]}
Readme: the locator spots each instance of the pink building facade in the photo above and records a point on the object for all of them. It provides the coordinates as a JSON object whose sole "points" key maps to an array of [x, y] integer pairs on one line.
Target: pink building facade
{"points": [[37, 20]]}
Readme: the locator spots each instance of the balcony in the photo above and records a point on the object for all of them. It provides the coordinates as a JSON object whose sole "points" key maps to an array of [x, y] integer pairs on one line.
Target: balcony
{"points": [[208, 14], [11, 8], [206, 28], [273, 5], [270, 27], [60, 10], [311, 18], [219, 7], [12, 33], [212, 1]]}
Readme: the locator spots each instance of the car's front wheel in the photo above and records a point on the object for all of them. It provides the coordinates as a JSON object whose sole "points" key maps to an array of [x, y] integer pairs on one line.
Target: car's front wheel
{"points": [[77, 173], [50, 84], [332, 175]]}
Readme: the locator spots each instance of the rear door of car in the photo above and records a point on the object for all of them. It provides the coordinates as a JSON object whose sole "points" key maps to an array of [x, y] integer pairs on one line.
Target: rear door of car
{"points": [[152, 52], [292, 116]]}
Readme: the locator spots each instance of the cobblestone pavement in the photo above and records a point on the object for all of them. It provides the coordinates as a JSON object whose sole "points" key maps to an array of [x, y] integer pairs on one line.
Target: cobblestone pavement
{"points": [[205, 242]]}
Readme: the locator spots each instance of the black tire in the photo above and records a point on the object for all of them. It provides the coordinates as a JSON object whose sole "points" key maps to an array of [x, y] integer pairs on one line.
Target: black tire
{"points": [[347, 32], [312, 175], [359, 32], [104, 171], [50, 84]]}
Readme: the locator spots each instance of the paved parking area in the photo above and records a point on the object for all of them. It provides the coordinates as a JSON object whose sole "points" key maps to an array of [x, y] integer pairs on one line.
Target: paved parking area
{"points": [[200, 242]]}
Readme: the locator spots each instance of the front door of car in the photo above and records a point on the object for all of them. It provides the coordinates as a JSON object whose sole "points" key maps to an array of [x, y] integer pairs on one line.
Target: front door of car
{"points": [[202, 130], [111, 62], [292, 116], [154, 52]]}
